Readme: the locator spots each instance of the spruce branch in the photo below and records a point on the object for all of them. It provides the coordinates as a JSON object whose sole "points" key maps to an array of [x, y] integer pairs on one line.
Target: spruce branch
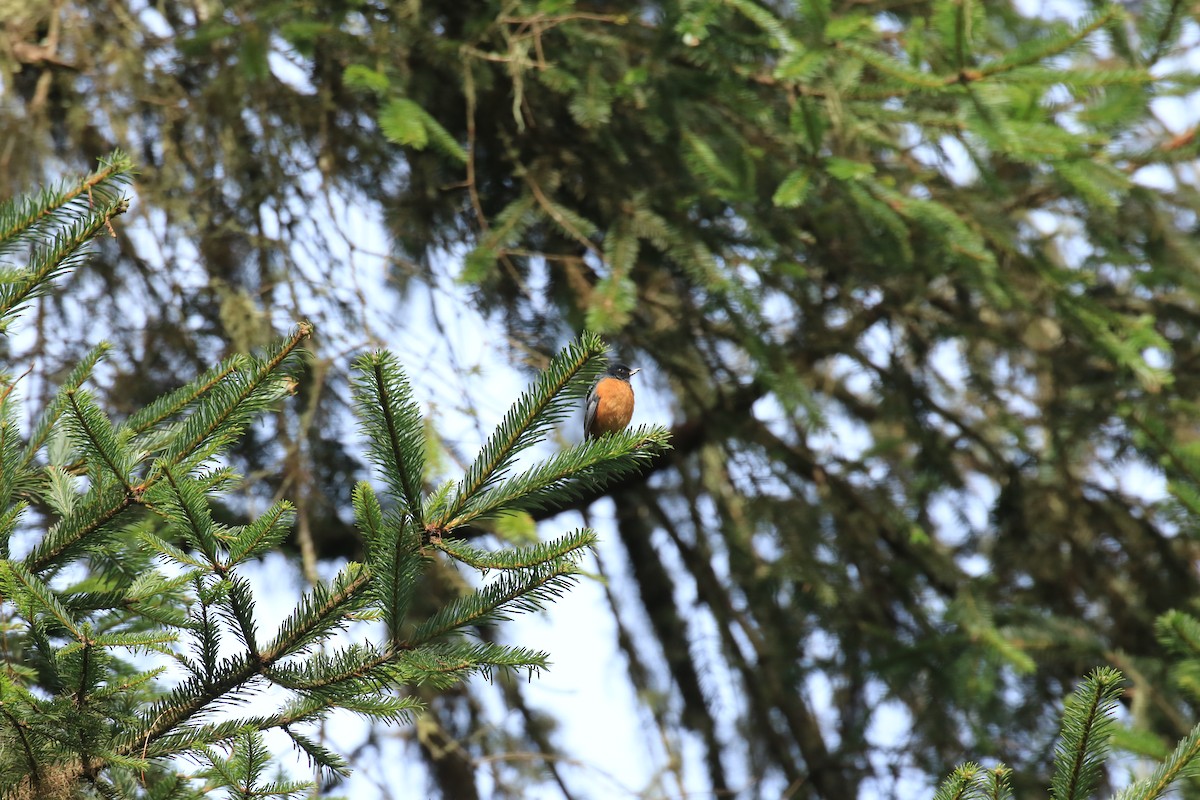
{"points": [[158, 598], [154, 641], [14, 711], [397, 571], [768, 22], [161, 546], [321, 610], [11, 475], [577, 472], [63, 253], [912, 78], [535, 411], [1168, 30], [1040, 50], [393, 427], [239, 611], [182, 504], [996, 783], [393, 554], [89, 527], [170, 405], [54, 409], [264, 533], [443, 665], [242, 772], [516, 558], [1084, 742], [93, 433], [962, 784], [222, 414], [1182, 761], [515, 591], [1180, 632], [378, 704], [32, 595], [368, 516], [1029, 55], [110, 717], [318, 755], [20, 218], [8, 525], [352, 669]]}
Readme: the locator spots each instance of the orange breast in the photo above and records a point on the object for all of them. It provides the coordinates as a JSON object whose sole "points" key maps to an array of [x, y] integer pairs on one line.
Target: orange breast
{"points": [[616, 406]]}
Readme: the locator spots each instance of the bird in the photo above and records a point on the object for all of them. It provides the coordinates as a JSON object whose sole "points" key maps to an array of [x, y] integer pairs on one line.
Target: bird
{"points": [[609, 402]]}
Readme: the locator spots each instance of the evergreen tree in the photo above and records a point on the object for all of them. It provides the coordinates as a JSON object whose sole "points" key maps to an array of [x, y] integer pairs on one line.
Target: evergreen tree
{"points": [[115, 571], [919, 280], [1083, 746]]}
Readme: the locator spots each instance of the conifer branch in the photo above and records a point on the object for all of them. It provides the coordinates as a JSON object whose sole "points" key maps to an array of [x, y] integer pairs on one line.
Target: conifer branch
{"points": [[1040, 50], [190, 516], [960, 785], [578, 472], [208, 599], [62, 254], [397, 569], [442, 665], [192, 697], [29, 591], [1180, 632], [536, 410], [1086, 730], [1026, 55], [318, 755], [356, 666], [516, 591], [239, 608], [997, 785], [53, 411], [72, 533], [321, 610], [207, 641], [19, 217], [97, 437], [913, 78], [1165, 32], [232, 408], [10, 474], [393, 555], [33, 767], [263, 533], [1183, 757], [393, 426], [166, 549], [8, 524], [169, 405], [516, 558], [368, 516]]}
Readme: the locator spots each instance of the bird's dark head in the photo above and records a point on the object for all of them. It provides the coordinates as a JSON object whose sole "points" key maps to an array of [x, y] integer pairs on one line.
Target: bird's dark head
{"points": [[621, 371]]}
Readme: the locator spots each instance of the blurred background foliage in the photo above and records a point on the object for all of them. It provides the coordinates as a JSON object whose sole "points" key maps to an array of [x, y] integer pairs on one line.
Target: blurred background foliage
{"points": [[918, 281]]}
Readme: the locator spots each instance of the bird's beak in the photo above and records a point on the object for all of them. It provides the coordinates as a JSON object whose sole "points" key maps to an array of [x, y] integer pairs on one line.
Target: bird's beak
{"points": [[633, 372]]}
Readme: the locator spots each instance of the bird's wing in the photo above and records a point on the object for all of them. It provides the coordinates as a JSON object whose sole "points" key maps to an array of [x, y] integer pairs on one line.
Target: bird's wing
{"points": [[589, 410]]}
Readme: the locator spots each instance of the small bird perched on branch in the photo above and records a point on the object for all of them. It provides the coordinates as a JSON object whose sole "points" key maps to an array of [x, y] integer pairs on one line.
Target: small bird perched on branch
{"points": [[609, 402]]}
